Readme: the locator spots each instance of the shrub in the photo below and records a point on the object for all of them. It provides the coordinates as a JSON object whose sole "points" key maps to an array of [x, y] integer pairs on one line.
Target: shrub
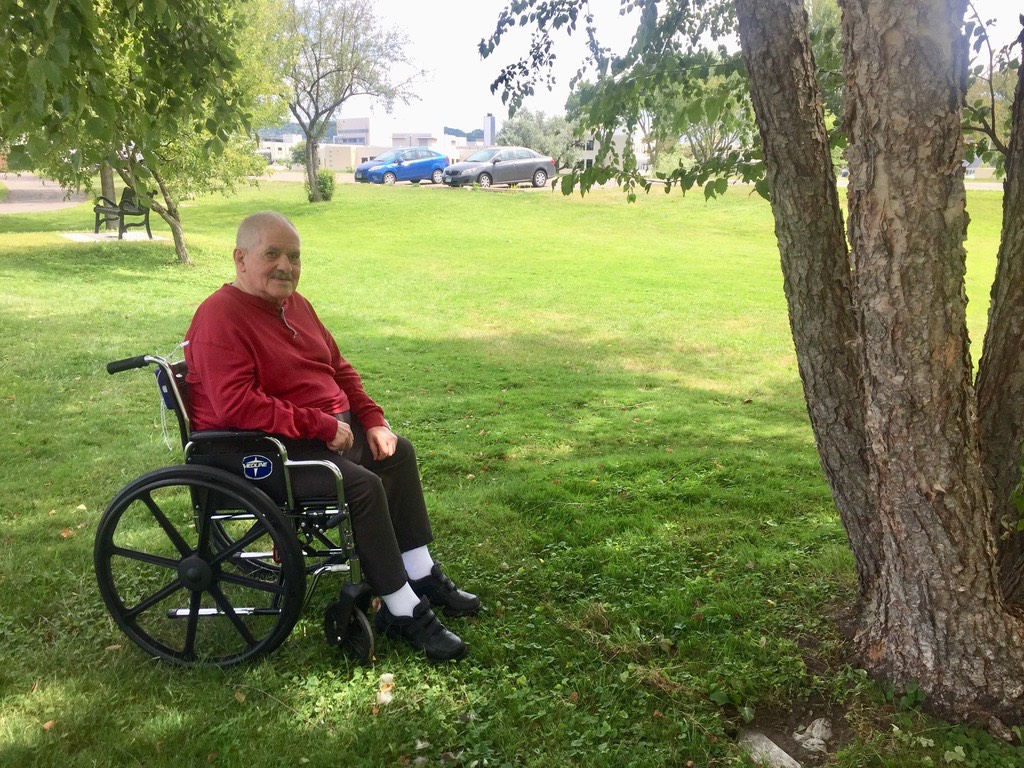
{"points": [[325, 181]]}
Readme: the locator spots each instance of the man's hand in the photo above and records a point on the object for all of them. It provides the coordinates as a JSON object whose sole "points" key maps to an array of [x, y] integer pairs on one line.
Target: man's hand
{"points": [[343, 438], [382, 442]]}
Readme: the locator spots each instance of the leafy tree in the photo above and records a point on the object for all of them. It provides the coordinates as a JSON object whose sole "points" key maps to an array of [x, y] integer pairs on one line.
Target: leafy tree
{"points": [[548, 135], [343, 52], [989, 101], [157, 91], [297, 154], [921, 457]]}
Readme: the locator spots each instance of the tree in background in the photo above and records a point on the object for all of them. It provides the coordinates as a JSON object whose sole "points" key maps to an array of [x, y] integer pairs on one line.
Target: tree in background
{"points": [[343, 52], [548, 135], [912, 448], [988, 105], [297, 154], [154, 90]]}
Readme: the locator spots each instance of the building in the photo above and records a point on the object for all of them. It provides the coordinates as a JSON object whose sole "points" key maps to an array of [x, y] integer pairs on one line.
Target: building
{"points": [[489, 132], [353, 130], [413, 139], [592, 147]]}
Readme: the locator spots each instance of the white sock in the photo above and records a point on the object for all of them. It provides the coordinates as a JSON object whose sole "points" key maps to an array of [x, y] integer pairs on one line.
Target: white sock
{"points": [[418, 563], [402, 602]]}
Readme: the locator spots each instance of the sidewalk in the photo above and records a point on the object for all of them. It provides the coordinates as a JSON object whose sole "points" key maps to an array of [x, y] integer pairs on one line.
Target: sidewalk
{"points": [[31, 194]]}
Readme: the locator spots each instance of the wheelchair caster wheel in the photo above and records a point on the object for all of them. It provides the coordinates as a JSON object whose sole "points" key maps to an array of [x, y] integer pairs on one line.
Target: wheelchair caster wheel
{"points": [[348, 628]]}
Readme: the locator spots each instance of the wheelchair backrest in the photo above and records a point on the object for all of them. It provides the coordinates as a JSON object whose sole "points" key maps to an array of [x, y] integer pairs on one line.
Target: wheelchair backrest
{"points": [[170, 378]]}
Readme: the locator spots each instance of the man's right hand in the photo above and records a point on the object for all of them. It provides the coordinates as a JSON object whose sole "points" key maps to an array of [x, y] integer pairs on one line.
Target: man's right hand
{"points": [[343, 439]]}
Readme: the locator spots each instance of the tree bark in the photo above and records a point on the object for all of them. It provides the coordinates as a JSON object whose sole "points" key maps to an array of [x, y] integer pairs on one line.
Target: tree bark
{"points": [[312, 166], [1001, 370], [168, 210], [815, 261], [107, 189], [881, 338], [933, 613]]}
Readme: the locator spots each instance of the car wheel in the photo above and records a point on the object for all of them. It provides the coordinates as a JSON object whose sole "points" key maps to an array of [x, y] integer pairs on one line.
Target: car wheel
{"points": [[390, 178], [437, 176], [485, 180], [540, 178]]}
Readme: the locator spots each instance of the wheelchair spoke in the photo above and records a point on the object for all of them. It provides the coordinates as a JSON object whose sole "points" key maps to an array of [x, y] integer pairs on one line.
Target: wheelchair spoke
{"points": [[275, 588], [145, 557], [254, 534], [193, 622], [229, 611], [156, 597], [204, 510], [165, 524]]}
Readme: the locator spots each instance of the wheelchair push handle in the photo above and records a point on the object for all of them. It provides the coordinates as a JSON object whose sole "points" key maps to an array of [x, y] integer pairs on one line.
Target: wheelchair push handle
{"points": [[129, 363]]}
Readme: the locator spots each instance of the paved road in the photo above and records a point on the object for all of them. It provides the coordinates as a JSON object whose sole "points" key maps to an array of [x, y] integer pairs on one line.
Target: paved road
{"points": [[31, 194]]}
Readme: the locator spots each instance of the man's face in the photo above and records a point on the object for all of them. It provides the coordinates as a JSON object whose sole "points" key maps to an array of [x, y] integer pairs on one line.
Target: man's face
{"points": [[270, 268]]}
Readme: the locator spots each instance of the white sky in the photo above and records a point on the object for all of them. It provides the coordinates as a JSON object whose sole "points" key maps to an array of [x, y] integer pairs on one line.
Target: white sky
{"points": [[444, 35]]}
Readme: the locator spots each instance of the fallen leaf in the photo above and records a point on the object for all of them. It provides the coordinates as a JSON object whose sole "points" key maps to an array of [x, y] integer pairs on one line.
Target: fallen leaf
{"points": [[48, 725], [66, 533], [239, 697], [114, 647], [81, 508], [211, 757]]}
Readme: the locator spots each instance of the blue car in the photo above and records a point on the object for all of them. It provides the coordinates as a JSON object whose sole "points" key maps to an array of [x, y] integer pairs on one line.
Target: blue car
{"points": [[414, 164]]}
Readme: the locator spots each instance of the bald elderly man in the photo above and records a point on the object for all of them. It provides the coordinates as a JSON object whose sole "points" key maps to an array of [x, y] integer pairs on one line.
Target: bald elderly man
{"points": [[260, 359]]}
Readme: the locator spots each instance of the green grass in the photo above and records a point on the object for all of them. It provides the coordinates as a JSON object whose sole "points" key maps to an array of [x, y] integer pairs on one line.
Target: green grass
{"points": [[615, 450]]}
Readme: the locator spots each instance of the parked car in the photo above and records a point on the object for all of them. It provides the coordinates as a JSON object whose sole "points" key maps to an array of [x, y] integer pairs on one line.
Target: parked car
{"points": [[413, 164], [501, 165]]}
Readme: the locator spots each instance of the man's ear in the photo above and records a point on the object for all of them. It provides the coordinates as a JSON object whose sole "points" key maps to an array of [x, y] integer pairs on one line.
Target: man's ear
{"points": [[238, 257]]}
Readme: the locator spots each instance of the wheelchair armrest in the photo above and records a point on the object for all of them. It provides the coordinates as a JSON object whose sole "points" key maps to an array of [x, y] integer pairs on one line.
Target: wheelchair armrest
{"points": [[213, 441], [226, 434]]}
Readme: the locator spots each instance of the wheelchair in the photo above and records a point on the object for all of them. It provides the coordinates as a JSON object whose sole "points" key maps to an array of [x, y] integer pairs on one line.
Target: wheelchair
{"points": [[206, 563]]}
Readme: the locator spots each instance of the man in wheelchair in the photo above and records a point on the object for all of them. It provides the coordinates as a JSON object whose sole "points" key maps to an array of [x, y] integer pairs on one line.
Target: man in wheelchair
{"points": [[260, 359]]}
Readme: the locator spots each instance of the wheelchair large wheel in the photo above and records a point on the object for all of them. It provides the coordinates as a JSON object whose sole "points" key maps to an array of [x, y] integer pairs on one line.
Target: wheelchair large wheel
{"points": [[176, 591]]}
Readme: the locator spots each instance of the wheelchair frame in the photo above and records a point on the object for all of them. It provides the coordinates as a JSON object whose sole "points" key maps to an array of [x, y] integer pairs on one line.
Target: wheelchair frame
{"points": [[217, 534]]}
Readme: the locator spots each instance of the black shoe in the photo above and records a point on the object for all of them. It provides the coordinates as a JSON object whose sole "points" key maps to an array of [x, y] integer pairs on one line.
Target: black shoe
{"points": [[442, 593], [421, 630]]}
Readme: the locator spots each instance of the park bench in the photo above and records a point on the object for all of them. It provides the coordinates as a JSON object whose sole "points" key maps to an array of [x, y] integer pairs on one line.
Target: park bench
{"points": [[129, 206]]}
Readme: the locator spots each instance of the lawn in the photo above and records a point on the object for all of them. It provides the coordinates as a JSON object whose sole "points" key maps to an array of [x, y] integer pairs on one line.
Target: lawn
{"points": [[611, 430]]}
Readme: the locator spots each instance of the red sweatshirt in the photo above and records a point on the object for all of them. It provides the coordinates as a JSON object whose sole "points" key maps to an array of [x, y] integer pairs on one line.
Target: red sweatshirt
{"points": [[254, 365]]}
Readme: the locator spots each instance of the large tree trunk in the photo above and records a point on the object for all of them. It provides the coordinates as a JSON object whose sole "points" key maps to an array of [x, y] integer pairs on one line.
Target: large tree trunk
{"points": [[1001, 371], [168, 210], [933, 612], [815, 262], [884, 357], [107, 189], [312, 167]]}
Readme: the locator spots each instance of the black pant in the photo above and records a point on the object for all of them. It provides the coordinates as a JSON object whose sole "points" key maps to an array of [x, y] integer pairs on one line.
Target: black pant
{"points": [[385, 499]]}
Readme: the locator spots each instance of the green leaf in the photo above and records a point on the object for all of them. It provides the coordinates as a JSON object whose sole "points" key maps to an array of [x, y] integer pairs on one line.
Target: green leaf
{"points": [[720, 697]]}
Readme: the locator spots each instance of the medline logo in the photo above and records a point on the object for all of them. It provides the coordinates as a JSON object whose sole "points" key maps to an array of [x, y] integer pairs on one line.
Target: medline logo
{"points": [[257, 467]]}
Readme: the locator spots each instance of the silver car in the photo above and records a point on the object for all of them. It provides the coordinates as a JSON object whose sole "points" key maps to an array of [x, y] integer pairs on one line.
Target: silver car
{"points": [[501, 165]]}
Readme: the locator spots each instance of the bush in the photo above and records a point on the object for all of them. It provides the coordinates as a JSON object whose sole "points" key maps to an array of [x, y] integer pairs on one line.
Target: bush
{"points": [[325, 181]]}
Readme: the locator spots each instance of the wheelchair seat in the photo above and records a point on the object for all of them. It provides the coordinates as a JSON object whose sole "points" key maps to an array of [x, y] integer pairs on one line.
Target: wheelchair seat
{"points": [[205, 563]]}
